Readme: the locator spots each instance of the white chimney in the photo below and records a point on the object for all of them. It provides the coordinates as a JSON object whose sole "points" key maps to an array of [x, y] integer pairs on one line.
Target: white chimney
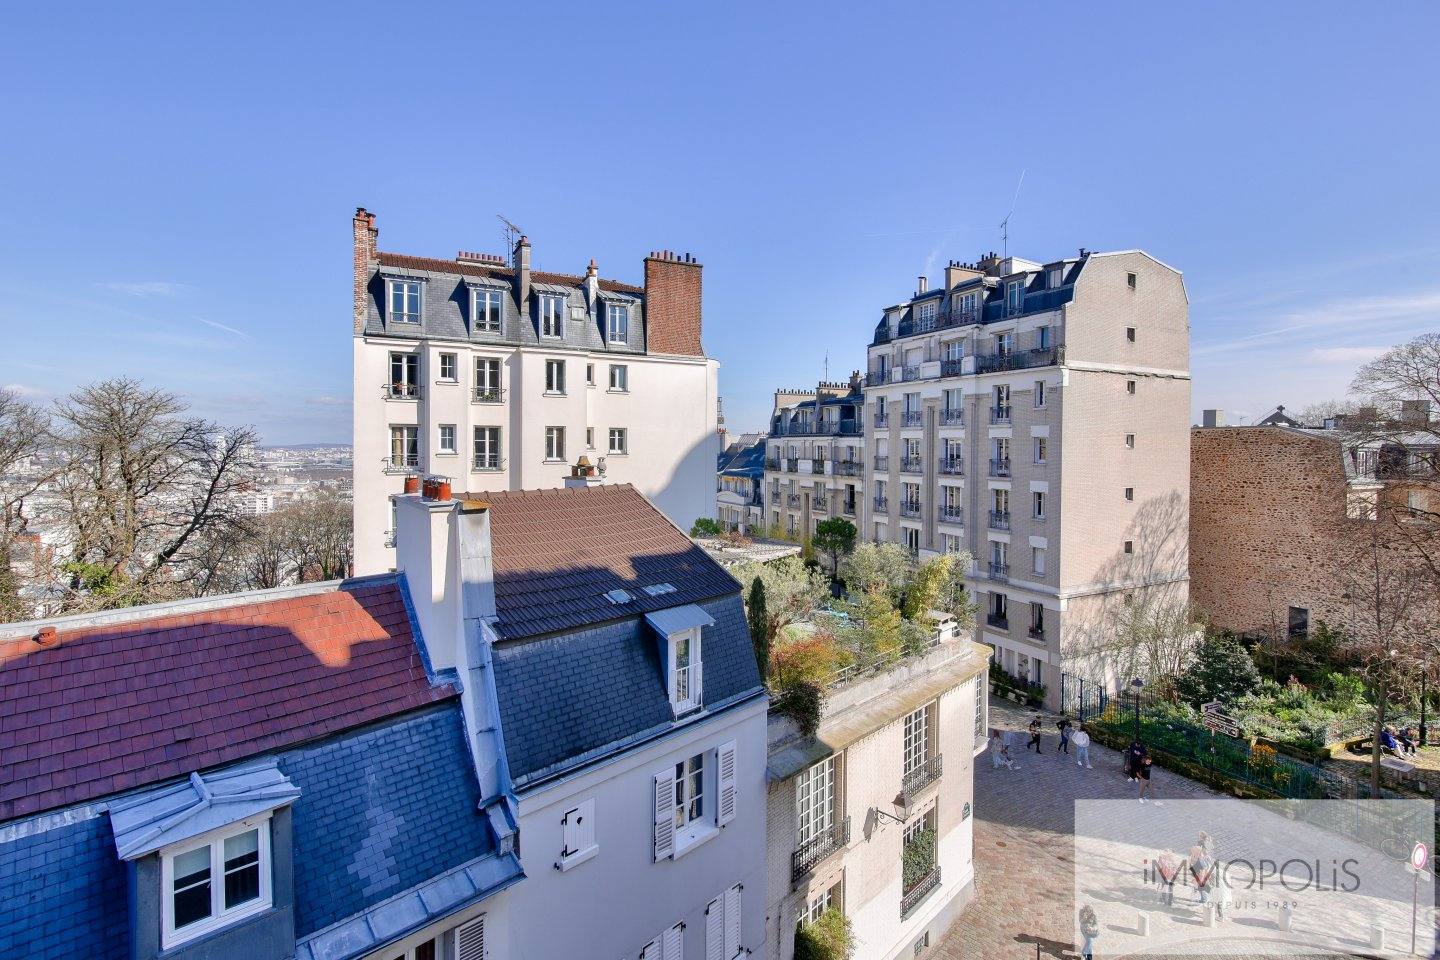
{"points": [[924, 285], [1212, 418]]}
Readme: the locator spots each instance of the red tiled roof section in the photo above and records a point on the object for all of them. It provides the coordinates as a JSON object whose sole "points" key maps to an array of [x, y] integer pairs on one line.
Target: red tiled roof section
{"points": [[436, 265], [556, 553], [113, 707]]}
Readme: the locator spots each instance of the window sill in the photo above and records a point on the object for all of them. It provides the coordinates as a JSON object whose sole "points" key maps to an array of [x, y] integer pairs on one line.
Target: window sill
{"points": [[213, 925], [553, 393], [617, 453], [447, 453], [616, 390], [567, 863], [694, 837], [450, 382], [554, 460]]}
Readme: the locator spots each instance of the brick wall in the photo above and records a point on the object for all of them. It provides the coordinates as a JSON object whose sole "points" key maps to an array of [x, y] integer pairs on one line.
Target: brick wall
{"points": [[1264, 532], [365, 238], [672, 304]]}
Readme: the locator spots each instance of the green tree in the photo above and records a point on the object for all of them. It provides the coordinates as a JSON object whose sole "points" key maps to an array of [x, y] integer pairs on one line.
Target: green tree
{"points": [[874, 628], [884, 566], [791, 591], [834, 537], [1220, 669], [828, 938], [759, 622], [930, 580], [705, 527]]}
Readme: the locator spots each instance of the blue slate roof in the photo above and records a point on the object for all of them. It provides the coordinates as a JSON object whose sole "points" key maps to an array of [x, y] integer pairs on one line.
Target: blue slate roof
{"points": [[569, 699], [750, 463], [381, 811]]}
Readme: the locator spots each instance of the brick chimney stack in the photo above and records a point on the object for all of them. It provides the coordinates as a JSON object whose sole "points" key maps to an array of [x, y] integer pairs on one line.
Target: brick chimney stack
{"points": [[365, 237], [522, 273], [672, 304], [957, 272]]}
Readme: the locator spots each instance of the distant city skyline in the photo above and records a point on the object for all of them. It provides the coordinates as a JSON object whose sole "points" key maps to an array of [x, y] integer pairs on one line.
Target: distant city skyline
{"points": [[185, 183]]}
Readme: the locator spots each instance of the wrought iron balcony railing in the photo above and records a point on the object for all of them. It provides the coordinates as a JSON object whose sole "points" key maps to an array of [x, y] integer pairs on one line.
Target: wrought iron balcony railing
{"points": [[951, 514], [399, 463], [952, 467], [1000, 467], [402, 391], [487, 461], [817, 849], [999, 415], [919, 778], [912, 418], [952, 418], [917, 894], [998, 570], [882, 503], [909, 508], [999, 519], [487, 395], [846, 468], [911, 464]]}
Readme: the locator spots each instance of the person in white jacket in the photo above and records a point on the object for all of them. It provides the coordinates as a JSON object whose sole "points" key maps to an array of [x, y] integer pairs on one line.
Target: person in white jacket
{"points": [[1081, 741]]}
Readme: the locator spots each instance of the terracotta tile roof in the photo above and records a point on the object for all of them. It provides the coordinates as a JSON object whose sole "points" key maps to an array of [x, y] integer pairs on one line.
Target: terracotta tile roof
{"points": [[106, 708], [556, 553], [437, 265]]}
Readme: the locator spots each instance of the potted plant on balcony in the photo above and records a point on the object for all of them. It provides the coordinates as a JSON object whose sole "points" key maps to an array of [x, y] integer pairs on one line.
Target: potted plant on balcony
{"points": [[828, 938]]}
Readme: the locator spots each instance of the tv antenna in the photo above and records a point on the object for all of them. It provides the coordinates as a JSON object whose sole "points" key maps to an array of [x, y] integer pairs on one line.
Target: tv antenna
{"points": [[511, 233], [1005, 224]]}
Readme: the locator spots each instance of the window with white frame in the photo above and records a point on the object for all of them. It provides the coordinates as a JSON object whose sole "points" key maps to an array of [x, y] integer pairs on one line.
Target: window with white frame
{"points": [[487, 379], [1014, 296], [552, 315], [213, 882], [950, 543], [1037, 504], [485, 310], [816, 908], [916, 742], [487, 448], [590, 374], [619, 440], [448, 367], [689, 791], [1055, 278], [967, 305], [912, 539], [404, 446], [404, 301], [405, 376], [554, 376], [685, 669], [981, 708], [1041, 449], [554, 443], [446, 440], [1039, 393], [617, 323], [815, 801], [1037, 560], [619, 377], [926, 311]]}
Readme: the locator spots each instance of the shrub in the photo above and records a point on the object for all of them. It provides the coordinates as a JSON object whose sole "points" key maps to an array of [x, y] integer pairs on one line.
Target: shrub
{"points": [[828, 938], [705, 527], [801, 702], [1220, 669], [811, 660], [917, 859]]}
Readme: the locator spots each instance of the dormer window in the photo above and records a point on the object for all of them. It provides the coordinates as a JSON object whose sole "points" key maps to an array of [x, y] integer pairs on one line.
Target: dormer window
{"points": [[1055, 278], [684, 670], [617, 323], [485, 310], [680, 631], [552, 315], [404, 301], [215, 882], [1015, 297]]}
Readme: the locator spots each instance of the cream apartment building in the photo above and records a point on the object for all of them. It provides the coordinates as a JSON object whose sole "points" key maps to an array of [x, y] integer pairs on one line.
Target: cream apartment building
{"points": [[500, 376], [814, 457], [890, 768], [1038, 416]]}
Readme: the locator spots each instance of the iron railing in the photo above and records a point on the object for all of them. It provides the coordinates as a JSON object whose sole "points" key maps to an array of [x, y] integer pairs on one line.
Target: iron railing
{"points": [[487, 461], [999, 415], [487, 395], [882, 461], [999, 520], [847, 468], [910, 464], [817, 849], [401, 463], [952, 467], [952, 418], [921, 777], [909, 508], [999, 571], [912, 418], [912, 899], [951, 514], [1000, 467], [401, 391], [792, 464], [882, 503], [1019, 359]]}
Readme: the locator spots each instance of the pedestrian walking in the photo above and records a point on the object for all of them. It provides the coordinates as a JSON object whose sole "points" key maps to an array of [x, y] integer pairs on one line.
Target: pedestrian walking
{"points": [[1005, 756], [1220, 888], [997, 746], [1202, 869], [1133, 755], [1081, 739], [1065, 728], [1143, 775], [1089, 930], [1034, 735]]}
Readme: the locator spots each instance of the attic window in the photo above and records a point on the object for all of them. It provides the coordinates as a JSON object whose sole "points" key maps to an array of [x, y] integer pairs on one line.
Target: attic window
{"points": [[1130, 280], [216, 882], [656, 589], [619, 596]]}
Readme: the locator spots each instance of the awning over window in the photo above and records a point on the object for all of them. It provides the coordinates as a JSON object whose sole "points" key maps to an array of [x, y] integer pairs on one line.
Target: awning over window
{"points": [[157, 818], [675, 619]]}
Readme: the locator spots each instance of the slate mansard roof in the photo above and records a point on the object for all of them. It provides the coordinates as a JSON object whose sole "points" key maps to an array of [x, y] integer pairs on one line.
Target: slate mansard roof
{"points": [[118, 701], [578, 676], [445, 311]]}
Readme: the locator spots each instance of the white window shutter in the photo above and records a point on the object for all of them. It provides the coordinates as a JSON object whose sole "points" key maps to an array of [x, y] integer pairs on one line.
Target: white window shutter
{"points": [[675, 943], [732, 922], [571, 830], [715, 930], [727, 782], [697, 657], [664, 815], [651, 950], [697, 682], [585, 827], [470, 940]]}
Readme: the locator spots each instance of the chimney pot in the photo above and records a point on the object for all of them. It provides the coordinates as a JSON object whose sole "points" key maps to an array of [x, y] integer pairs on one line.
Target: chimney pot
{"points": [[924, 284], [412, 484], [46, 636]]}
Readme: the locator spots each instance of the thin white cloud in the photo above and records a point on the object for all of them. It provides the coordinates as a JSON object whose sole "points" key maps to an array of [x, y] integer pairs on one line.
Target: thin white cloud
{"points": [[23, 390], [147, 288], [220, 326], [331, 401], [1353, 356], [1400, 314]]}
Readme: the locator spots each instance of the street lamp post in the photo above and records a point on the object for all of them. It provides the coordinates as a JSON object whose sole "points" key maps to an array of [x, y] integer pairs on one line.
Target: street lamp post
{"points": [[1136, 686]]}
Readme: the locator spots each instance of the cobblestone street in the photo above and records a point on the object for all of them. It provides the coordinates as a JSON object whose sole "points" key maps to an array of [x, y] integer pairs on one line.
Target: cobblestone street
{"points": [[1023, 846]]}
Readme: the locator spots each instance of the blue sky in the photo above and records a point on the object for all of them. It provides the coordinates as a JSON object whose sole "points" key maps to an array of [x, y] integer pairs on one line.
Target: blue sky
{"points": [[179, 179]]}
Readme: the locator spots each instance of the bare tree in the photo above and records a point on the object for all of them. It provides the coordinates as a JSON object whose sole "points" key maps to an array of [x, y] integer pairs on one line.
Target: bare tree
{"points": [[23, 427], [321, 537], [142, 489]]}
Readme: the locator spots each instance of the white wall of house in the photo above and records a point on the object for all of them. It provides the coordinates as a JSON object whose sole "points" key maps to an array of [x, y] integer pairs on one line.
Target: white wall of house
{"points": [[669, 413], [867, 779], [614, 903]]}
